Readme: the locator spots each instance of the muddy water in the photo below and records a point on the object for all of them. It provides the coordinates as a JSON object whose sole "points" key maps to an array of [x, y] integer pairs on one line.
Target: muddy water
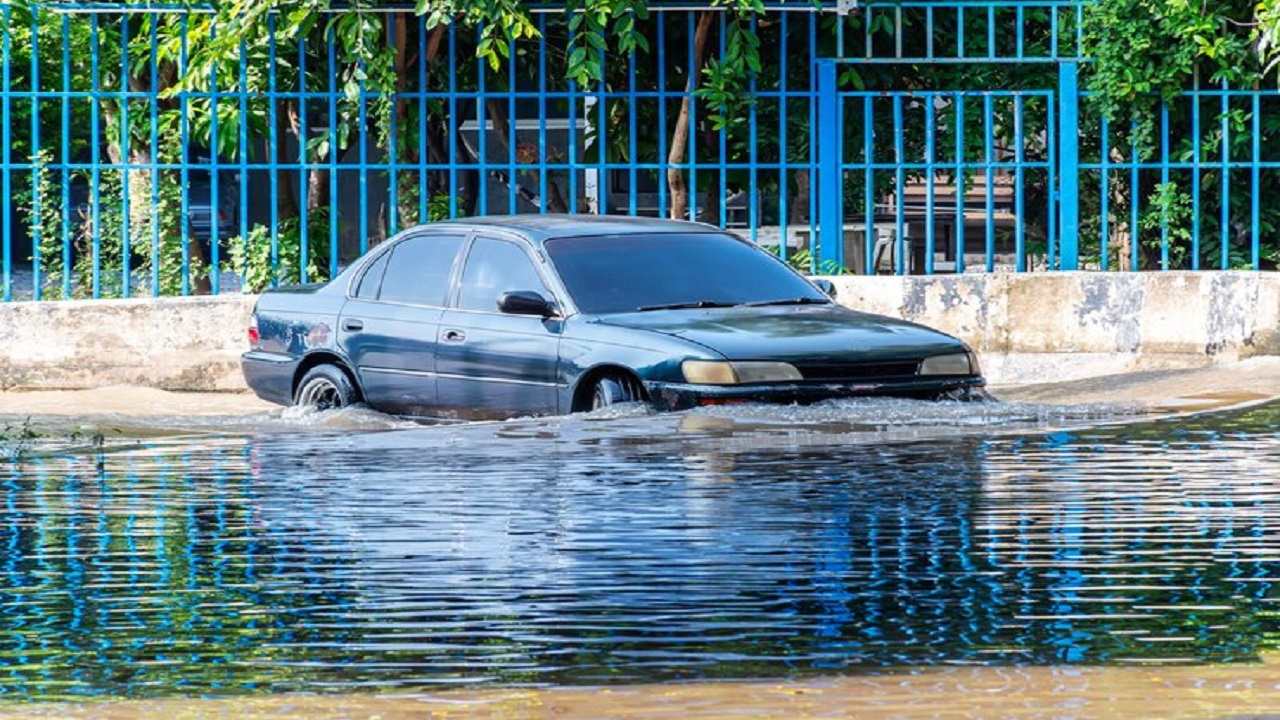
{"points": [[803, 558]]}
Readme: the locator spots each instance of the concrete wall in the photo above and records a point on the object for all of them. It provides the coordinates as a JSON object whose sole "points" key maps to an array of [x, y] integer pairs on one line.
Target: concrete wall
{"points": [[1029, 328], [174, 343], [1062, 326]]}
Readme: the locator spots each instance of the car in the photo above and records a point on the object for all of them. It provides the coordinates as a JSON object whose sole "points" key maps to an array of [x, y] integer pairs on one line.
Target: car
{"points": [[541, 314]]}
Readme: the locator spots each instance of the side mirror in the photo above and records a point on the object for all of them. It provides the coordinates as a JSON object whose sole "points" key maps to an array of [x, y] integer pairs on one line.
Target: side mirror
{"points": [[525, 302], [826, 286]]}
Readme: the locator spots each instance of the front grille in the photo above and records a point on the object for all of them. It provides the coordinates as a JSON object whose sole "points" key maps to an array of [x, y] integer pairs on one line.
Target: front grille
{"points": [[857, 371]]}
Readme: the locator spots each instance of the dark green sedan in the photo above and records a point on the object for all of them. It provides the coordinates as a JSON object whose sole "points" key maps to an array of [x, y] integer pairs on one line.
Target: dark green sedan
{"points": [[543, 314]]}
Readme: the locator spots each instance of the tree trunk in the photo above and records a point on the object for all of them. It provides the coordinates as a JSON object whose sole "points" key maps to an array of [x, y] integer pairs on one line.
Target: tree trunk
{"points": [[680, 138], [139, 185], [799, 213], [408, 185], [1124, 233], [286, 184], [714, 198]]}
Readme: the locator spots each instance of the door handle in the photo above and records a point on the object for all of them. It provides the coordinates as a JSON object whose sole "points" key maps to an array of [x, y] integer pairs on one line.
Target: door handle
{"points": [[454, 336], [352, 325]]}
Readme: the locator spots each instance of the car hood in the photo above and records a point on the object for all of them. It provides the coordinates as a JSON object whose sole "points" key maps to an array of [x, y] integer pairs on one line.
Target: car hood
{"points": [[809, 332]]}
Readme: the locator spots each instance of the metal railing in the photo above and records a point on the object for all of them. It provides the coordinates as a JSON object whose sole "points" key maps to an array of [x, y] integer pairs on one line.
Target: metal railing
{"points": [[859, 145]]}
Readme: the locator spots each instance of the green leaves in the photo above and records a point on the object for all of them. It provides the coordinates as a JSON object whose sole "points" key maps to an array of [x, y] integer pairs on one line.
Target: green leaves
{"points": [[727, 80]]}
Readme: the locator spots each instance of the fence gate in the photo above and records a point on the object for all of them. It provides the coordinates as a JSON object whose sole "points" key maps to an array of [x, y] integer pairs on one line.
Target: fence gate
{"points": [[925, 177]]}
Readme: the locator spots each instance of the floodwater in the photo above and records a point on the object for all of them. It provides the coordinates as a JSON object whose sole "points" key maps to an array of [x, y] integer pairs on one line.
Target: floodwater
{"points": [[786, 553]]}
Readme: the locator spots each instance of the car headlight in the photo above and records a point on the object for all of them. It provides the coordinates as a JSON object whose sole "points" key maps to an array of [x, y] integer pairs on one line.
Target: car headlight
{"points": [[720, 372], [954, 364]]}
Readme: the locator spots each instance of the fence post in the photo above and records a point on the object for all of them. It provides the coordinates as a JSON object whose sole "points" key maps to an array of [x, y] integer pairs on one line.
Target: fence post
{"points": [[830, 188], [1069, 165]]}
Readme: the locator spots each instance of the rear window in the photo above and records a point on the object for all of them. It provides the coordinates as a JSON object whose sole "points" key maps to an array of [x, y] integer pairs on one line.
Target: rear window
{"points": [[371, 281], [628, 272], [419, 270]]}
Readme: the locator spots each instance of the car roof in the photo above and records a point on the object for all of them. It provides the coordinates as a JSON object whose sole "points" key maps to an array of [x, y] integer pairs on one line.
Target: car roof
{"points": [[545, 227]]}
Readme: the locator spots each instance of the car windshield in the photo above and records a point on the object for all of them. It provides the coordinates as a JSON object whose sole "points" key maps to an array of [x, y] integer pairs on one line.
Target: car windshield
{"points": [[629, 273]]}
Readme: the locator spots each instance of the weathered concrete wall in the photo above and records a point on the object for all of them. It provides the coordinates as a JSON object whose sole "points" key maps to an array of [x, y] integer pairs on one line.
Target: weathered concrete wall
{"points": [[1029, 328], [1064, 326], [174, 344]]}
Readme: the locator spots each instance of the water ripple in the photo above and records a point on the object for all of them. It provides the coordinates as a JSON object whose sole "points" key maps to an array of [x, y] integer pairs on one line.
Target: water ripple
{"points": [[636, 548]]}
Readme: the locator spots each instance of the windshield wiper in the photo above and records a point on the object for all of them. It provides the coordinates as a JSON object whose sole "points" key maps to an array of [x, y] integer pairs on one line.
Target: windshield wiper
{"points": [[790, 301], [685, 305]]}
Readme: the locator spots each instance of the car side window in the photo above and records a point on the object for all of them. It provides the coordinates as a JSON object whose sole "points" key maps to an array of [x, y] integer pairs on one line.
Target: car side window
{"points": [[495, 267], [419, 270], [371, 281]]}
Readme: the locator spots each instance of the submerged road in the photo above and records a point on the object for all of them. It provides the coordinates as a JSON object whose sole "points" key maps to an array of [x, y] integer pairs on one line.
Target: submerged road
{"points": [[1215, 386], [849, 559]]}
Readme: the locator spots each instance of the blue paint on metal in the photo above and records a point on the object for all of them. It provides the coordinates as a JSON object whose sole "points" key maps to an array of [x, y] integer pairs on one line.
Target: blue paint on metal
{"points": [[1030, 185], [1195, 179], [1255, 225], [633, 133], [1225, 240], [869, 186], [1164, 181], [393, 151], [273, 151], [37, 209], [1069, 165], [784, 151], [513, 180], [1135, 200], [335, 146], [988, 168], [1104, 200], [362, 116], [243, 146], [830, 127], [543, 180], [304, 198], [125, 132], [662, 116], [184, 138], [723, 220], [6, 265], [1019, 176], [215, 172], [960, 181], [899, 182], [153, 39], [66, 157], [930, 178], [95, 138], [812, 168], [692, 133]]}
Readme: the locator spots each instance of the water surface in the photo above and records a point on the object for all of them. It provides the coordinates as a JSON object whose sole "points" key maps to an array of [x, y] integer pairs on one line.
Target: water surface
{"points": [[625, 548]]}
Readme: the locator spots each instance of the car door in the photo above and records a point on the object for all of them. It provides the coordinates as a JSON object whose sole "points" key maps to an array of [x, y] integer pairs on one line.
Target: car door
{"points": [[389, 326], [492, 364]]}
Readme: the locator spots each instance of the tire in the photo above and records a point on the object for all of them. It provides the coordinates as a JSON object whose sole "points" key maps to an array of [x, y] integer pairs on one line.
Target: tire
{"points": [[614, 390], [325, 387], [969, 395]]}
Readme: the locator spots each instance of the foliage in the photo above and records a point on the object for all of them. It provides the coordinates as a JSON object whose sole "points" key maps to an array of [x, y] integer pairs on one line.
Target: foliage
{"points": [[264, 259], [804, 261], [1148, 52], [726, 88], [1148, 55]]}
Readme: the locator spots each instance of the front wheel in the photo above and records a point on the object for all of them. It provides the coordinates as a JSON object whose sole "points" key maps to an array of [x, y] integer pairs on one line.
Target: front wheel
{"points": [[615, 390], [325, 387], [977, 395]]}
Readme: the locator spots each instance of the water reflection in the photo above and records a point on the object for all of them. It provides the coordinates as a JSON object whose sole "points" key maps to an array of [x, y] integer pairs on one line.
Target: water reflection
{"points": [[579, 551]]}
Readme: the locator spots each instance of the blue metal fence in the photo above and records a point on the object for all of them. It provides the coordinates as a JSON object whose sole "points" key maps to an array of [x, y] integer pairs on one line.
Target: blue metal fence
{"points": [[869, 141]]}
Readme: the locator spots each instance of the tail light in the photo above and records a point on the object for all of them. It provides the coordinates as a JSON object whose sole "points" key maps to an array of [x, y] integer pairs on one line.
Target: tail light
{"points": [[255, 338]]}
